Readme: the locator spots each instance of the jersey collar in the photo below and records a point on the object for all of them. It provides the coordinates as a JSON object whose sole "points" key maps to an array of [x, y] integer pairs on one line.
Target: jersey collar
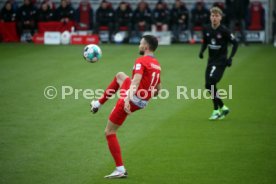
{"points": [[150, 55]]}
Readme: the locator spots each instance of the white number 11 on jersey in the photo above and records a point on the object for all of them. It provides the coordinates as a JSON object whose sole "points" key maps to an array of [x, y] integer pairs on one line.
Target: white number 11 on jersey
{"points": [[154, 79]]}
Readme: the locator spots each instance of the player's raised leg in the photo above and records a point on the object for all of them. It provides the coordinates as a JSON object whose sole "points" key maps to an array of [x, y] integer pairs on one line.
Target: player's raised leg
{"points": [[115, 150], [112, 88]]}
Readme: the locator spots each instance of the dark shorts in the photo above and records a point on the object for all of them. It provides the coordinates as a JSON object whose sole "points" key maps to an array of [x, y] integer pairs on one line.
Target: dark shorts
{"points": [[214, 73]]}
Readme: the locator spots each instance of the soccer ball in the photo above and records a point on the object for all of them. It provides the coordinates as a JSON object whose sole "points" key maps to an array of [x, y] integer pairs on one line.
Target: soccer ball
{"points": [[92, 53]]}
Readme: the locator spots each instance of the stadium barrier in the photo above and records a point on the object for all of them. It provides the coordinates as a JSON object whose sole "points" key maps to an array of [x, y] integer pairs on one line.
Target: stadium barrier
{"points": [[256, 31], [55, 38], [51, 33], [8, 32]]}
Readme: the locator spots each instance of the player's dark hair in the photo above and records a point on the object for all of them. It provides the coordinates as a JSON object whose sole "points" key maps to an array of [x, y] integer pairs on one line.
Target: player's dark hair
{"points": [[152, 41]]}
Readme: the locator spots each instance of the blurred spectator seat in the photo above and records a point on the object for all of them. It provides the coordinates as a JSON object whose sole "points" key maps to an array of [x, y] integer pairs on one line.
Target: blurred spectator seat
{"points": [[200, 16], [103, 28], [8, 32], [142, 18], [123, 28], [197, 28], [105, 18], [123, 19], [55, 26], [256, 16], [220, 5], [160, 17], [84, 16], [106, 28], [103, 33]]}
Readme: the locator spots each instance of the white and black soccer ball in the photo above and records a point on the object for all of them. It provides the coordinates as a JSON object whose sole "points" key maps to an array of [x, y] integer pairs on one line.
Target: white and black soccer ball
{"points": [[92, 53]]}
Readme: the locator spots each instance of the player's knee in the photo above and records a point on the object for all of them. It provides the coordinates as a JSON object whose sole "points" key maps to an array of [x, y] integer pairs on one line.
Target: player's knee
{"points": [[106, 132], [109, 132], [210, 83], [120, 75]]}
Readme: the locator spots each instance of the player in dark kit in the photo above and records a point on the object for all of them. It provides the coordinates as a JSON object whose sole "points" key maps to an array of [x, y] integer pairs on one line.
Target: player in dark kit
{"points": [[216, 37], [135, 94]]}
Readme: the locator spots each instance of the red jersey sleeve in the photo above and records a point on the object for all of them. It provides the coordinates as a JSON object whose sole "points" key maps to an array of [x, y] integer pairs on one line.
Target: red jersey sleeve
{"points": [[138, 67]]}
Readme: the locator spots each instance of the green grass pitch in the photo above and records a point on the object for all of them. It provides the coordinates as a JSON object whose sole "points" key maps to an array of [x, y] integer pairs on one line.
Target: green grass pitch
{"points": [[60, 142]]}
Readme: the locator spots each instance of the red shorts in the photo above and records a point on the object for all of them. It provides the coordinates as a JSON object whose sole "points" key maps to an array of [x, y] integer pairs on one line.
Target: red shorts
{"points": [[118, 114]]}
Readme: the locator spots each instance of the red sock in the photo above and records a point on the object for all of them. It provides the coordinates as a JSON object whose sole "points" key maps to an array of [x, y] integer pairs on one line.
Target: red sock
{"points": [[110, 90], [114, 149]]}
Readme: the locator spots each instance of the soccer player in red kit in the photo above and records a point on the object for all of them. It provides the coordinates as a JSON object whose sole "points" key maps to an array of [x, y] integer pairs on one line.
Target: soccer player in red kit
{"points": [[135, 93]]}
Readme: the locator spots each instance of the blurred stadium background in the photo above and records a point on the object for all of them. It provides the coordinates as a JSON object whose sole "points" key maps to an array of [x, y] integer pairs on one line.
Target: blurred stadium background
{"points": [[83, 17], [59, 142]]}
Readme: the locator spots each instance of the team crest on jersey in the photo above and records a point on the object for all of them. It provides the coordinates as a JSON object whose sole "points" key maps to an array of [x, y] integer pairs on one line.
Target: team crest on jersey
{"points": [[213, 41], [219, 36], [137, 66]]}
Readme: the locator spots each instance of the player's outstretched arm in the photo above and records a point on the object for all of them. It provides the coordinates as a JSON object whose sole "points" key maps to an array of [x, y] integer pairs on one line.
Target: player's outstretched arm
{"points": [[135, 82], [203, 47], [234, 48], [234, 42]]}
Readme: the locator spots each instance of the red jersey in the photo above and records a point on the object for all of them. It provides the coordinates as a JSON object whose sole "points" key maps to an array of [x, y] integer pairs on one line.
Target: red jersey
{"points": [[150, 69]]}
